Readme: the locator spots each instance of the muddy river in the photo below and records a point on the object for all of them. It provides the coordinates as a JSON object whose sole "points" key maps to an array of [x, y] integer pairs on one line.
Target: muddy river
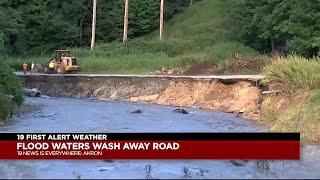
{"points": [[74, 115]]}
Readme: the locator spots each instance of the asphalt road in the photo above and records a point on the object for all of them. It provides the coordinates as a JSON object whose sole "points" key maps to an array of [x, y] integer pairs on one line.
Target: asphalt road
{"points": [[222, 77]]}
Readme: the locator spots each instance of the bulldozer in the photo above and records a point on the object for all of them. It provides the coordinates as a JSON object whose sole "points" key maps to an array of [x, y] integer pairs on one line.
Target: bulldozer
{"points": [[63, 62]]}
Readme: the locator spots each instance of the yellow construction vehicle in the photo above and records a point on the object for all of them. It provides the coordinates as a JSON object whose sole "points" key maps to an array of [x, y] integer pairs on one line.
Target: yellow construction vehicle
{"points": [[62, 62]]}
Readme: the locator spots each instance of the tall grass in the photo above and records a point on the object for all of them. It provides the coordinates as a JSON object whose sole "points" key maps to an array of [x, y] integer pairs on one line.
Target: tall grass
{"points": [[299, 110], [134, 63], [302, 115], [295, 72]]}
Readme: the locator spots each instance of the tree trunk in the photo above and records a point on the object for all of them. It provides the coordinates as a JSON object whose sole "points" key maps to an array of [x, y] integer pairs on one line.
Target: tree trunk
{"points": [[94, 13], [125, 22], [191, 2], [161, 19]]}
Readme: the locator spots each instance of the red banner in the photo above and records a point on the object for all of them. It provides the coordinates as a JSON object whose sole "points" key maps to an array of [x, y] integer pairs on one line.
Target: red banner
{"points": [[151, 149]]}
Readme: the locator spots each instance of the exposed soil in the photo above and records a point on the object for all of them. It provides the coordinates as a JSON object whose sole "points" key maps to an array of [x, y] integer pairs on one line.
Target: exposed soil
{"points": [[283, 111], [240, 97], [168, 71], [276, 85], [240, 65], [237, 66], [202, 68]]}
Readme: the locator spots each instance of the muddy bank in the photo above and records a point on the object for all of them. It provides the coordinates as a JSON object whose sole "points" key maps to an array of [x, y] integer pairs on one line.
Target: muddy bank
{"points": [[234, 96], [295, 112]]}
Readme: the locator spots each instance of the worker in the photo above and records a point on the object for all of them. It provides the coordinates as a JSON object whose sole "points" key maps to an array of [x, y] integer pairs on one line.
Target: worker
{"points": [[51, 66], [25, 68], [32, 66]]}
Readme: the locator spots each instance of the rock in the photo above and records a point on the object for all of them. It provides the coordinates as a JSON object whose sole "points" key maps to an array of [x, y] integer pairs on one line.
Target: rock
{"points": [[108, 160], [138, 111], [263, 164], [237, 114], [104, 169], [114, 95], [239, 162], [181, 111]]}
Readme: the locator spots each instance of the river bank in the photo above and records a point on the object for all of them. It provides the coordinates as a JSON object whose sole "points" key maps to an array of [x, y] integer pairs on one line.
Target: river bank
{"points": [[285, 98], [234, 94]]}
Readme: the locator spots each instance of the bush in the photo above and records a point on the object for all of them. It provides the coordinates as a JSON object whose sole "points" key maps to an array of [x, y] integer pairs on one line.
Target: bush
{"points": [[10, 84], [5, 106], [295, 72]]}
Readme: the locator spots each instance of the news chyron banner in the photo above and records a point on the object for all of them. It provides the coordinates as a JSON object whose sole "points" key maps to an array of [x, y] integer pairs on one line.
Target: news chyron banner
{"points": [[274, 146]]}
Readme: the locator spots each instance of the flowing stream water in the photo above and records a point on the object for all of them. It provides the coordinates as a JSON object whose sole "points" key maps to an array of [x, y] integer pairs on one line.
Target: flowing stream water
{"points": [[80, 115]]}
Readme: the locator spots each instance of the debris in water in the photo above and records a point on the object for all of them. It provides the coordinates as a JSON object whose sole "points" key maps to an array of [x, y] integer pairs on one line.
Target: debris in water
{"points": [[181, 111], [103, 169], [45, 116], [239, 162], [108, 160], [138, 111], [148, 171], [186, 172], [78, 176], [263, 164], [198, 171], [31, 92]]}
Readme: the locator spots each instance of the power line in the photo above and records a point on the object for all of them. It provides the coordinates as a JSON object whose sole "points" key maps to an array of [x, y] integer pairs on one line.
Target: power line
{"points": [[93, 32]]}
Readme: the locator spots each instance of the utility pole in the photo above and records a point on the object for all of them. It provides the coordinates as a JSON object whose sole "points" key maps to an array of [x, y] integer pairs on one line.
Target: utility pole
{"points": [[94, 14], [161, 19], [125, 22]]}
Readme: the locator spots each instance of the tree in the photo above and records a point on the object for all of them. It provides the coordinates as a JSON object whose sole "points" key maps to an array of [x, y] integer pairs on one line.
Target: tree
{"points": [[291, 26], [39, 26], [10, 27]]}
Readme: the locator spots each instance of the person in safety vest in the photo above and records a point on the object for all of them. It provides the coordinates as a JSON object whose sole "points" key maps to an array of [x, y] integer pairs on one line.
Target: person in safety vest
{"points": [[25, 68], [32, 66], [51, 66]]}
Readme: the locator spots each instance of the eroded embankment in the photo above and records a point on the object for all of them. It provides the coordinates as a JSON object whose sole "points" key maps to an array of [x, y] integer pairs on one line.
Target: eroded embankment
{"points": [[235, 96]]}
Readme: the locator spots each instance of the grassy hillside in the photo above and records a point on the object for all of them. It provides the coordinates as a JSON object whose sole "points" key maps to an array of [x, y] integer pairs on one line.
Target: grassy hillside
{"points": [[201, 33]]}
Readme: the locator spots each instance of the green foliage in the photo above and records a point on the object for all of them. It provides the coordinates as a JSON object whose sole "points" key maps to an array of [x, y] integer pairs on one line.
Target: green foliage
{"points": [[285, 25], [202, 32], [5, 106], [299, 111], [219, 52], [10, 84], [296, 72], [9, 27], [39, 26], [205, 23]]}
